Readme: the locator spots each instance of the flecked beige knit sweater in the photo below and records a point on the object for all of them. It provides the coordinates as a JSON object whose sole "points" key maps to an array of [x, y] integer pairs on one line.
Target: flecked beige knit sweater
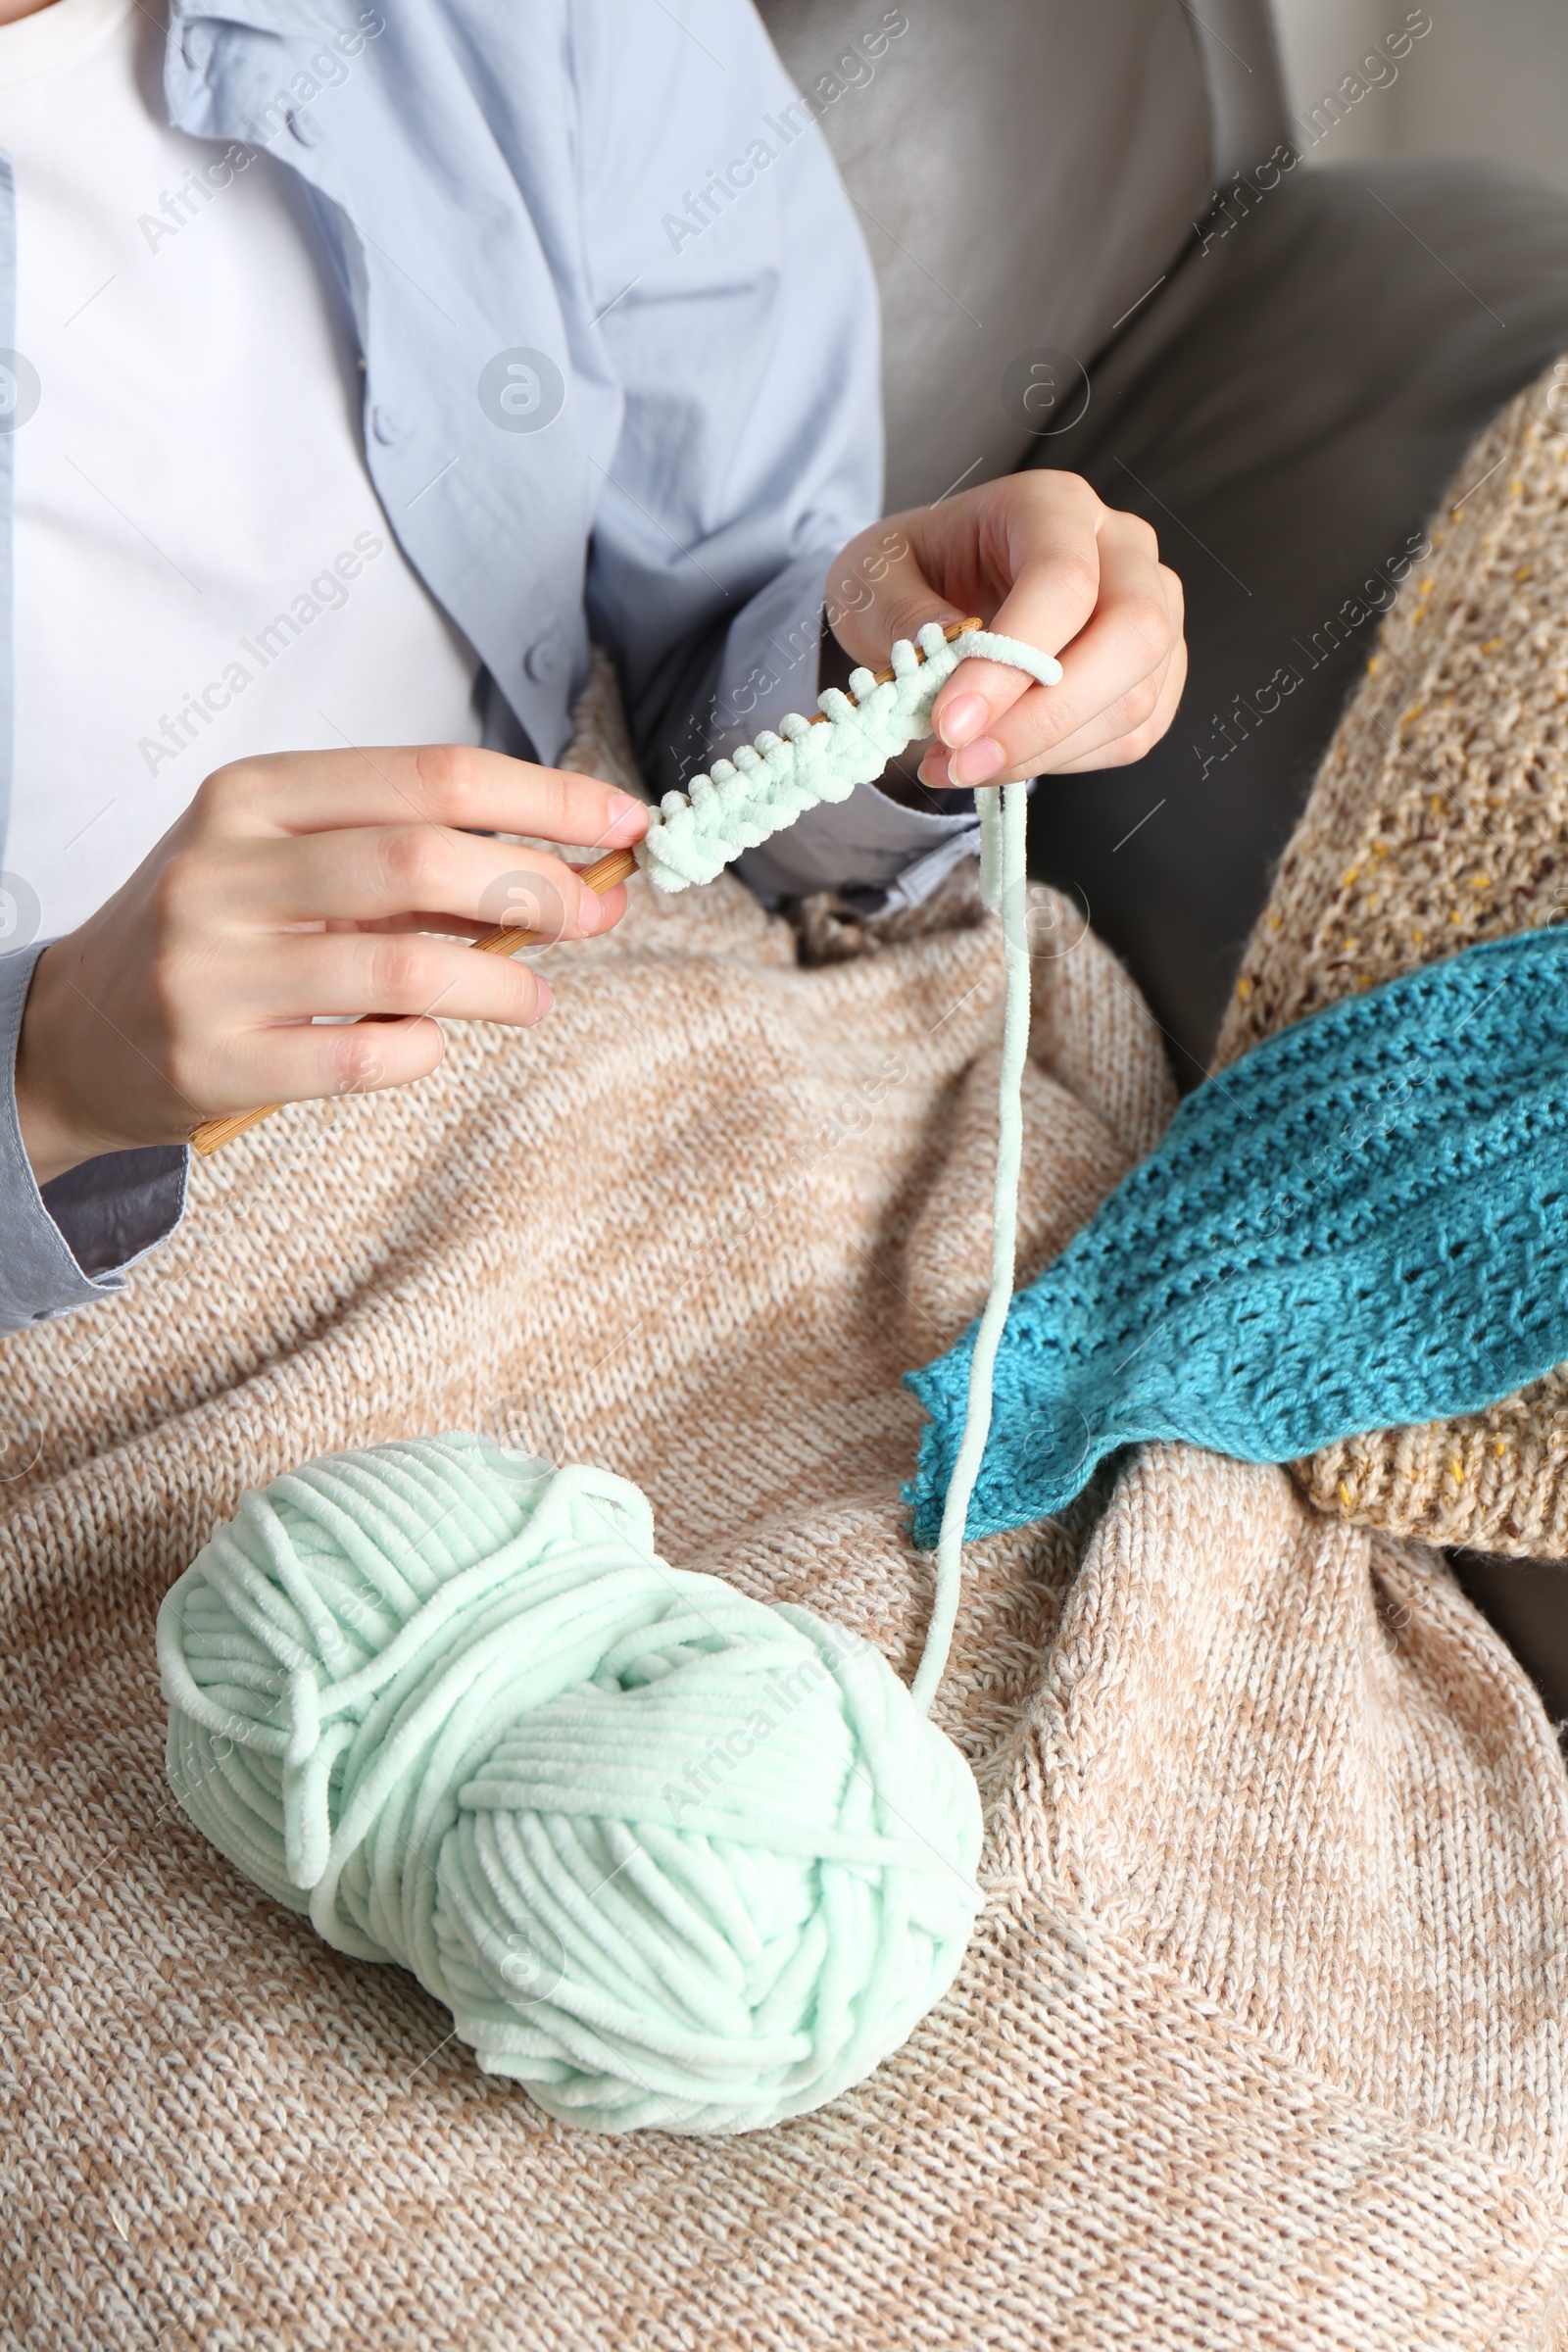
{"points": [[1260, 2040]]}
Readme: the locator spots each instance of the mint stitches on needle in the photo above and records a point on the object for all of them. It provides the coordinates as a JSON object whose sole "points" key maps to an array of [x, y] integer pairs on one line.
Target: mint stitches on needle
{"points": [[769, 783]]}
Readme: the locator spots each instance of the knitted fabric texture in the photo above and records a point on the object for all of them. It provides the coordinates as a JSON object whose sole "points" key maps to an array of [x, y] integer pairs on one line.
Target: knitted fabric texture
{"points": [[767, 785], [1365, 1221], [1438, 819], [1260, 2037]]}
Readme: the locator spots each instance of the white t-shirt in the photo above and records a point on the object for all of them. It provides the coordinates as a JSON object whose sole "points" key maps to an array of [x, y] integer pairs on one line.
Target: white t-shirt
{"points": [[203, 568]]}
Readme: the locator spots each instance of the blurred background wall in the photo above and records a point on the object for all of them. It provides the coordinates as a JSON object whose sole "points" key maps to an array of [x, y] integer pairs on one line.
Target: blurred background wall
{"points": [[1490, 77]]}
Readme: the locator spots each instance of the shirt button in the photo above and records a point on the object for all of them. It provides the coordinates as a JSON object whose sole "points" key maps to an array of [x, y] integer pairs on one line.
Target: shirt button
{"points": [[387, 424], [543, 661], [305, 126]]}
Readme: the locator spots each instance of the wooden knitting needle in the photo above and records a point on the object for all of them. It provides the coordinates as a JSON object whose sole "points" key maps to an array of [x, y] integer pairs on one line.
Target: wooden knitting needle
{"points": [[616, 866]]}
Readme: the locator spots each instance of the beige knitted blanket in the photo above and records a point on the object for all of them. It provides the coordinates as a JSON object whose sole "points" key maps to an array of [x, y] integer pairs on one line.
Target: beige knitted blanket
{"points": [[1260, 2038]]}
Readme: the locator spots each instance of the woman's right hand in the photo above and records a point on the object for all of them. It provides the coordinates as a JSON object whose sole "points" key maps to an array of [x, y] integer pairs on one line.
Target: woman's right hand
{"points": [[296, 884]]}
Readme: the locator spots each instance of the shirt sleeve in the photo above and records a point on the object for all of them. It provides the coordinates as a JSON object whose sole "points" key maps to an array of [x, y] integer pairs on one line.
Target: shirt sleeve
{"points": [[739, 315], [867, 846], [76, 1240]]}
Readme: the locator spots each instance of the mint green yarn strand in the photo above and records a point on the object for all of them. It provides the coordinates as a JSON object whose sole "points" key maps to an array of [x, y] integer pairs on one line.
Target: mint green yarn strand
{"points": [[1002, 863]]}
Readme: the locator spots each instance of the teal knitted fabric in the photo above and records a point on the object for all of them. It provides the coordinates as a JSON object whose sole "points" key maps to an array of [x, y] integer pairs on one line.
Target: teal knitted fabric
{"points": [[1363, 1224]]}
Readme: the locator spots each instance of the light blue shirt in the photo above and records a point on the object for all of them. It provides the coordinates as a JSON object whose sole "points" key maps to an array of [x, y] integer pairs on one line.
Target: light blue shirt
{"points": [[620, 352]]}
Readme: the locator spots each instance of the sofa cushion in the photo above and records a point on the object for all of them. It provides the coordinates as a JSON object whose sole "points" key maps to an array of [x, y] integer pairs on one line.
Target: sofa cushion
{"points": [[1286, 414], [1023, 174]]}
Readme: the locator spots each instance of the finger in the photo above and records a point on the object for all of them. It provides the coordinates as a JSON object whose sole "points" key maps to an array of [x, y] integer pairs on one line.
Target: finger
{"points": [[372, 872], [1050, 562], [879, 589], [612, 902], [1142, 715], [1123, 750], [306, 1063], [1112, 672], [1133, 719], [1122, 647], [402, 976], [456, 785], [1022, 548]]}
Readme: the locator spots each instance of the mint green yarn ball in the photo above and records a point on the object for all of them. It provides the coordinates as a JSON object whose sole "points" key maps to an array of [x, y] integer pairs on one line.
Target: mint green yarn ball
{"points": [[672, 1858]]}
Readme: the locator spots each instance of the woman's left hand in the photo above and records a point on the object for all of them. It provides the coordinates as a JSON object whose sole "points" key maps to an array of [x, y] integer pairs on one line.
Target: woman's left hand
{"points": [[1040, 556]]}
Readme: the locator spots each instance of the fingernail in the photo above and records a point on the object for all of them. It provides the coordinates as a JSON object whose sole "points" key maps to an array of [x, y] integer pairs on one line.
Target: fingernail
{"points": [[628, 818], [590, 912], [934, 770], [977, 762], [545, 998], [962, 720]]}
